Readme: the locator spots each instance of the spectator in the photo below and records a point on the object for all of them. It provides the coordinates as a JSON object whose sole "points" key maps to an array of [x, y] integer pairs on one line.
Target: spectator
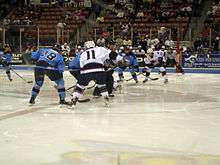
{"points": [[119, 41], [120, 14], [60, 28], [216, 44], [125, 29], [97, 9], [101, 41]]}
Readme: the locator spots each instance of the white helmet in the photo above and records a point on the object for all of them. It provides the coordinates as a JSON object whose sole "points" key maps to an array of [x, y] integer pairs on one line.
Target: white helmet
{"points": [[89, 44], [150, 50]]}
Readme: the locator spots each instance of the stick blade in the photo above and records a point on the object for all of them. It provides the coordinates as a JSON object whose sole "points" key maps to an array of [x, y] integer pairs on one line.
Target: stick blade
{"points": [[84, 100], [153, 79]]}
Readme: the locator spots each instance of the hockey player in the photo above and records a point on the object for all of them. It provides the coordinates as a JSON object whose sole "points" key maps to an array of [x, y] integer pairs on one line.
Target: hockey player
{"points": [[92, 68], [79, 50], [109, 69], [129, 60], [171, 60], [49, 62], [74, 67], [154, 59], [5, 60], [65, 50]]}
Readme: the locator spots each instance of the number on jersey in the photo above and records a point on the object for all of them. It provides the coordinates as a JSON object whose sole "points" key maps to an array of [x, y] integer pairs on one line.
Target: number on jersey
{"points": [[50, 56], [90, 55]]}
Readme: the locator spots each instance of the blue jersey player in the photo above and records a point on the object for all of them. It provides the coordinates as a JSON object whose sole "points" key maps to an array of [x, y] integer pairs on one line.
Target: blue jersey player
{"points": [[74, 66], [5, 60], [129, 59], [49, 62]]}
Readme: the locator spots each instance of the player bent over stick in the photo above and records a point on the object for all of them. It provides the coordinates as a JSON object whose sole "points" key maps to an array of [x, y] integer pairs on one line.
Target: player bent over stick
{"points": [[51, 63], [110, 65], [154, 59], [92, 68], [129, 60]]}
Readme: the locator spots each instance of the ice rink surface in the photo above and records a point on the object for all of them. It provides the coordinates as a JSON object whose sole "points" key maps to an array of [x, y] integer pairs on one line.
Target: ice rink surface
{"points": [[146, 124]]}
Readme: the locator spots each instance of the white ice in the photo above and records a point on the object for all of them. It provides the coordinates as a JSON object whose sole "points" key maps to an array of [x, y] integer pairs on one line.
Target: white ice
{"points": [[149, 124]]}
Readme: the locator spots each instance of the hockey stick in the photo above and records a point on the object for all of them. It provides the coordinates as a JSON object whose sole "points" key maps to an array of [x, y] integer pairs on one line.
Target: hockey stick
{"points": [[68, 92], [80, 100], [153, 79], [21, 77], [90, 87], [132, 77]]}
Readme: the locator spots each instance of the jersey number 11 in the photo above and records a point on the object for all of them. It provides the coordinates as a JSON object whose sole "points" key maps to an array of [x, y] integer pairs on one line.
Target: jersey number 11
{"points": [[89, 55]]}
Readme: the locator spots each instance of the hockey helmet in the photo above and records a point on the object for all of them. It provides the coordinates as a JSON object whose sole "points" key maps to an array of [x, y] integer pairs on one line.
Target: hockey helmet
{"points": [[89, 44], [152, 47], [150, 50]]}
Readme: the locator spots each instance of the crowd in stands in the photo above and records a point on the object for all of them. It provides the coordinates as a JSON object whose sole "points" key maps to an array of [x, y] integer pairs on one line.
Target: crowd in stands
{"points": [[154, 11], [3, 10], [23, 16], [209, 36], [6, 6], [49, 18], [139, 13]]}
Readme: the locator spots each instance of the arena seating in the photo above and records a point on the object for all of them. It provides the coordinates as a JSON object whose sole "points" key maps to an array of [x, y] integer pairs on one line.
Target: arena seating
{"points": [[177, 18], [46, 19]]}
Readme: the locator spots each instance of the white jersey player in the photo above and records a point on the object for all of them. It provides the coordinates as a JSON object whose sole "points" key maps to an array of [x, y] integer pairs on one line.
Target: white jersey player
{"points": [[160, 54], [92, 68], [154, 59], [92, 60]]}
